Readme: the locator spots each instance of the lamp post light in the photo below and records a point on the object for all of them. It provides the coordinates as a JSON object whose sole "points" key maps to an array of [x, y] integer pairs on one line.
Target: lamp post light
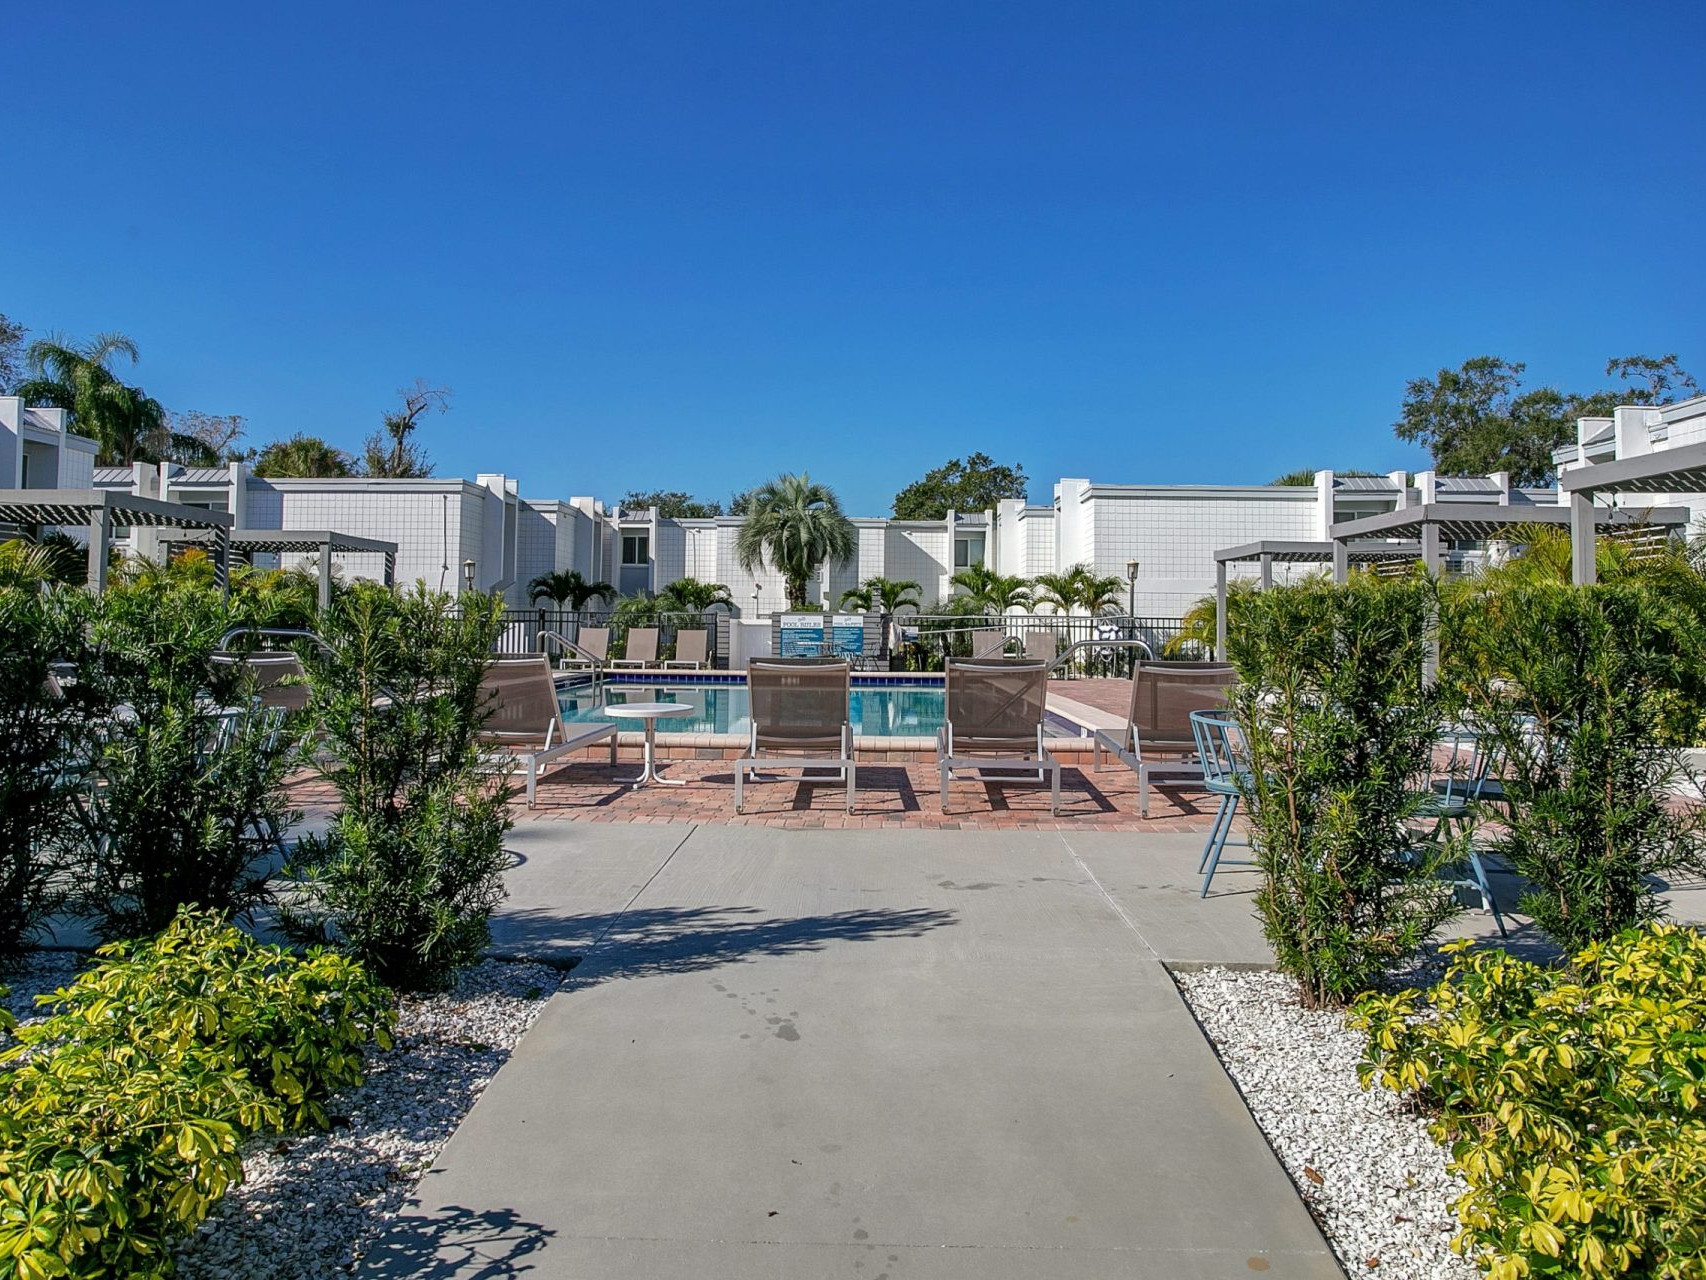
{"points": [[467, 575], [1131, 583]]}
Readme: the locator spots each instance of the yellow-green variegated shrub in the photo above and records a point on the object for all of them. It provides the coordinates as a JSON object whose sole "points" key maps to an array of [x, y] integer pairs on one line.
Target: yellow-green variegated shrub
{"points": [[121, 1115], [1571, 1099]]}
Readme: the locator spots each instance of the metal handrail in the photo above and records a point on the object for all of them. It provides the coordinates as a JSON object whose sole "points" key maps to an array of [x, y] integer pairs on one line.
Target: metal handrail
{"points": [[1076, 645]]}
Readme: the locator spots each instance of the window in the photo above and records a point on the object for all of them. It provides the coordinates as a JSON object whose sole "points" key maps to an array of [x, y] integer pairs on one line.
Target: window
{"points": [[636, 548], [968, 551]]}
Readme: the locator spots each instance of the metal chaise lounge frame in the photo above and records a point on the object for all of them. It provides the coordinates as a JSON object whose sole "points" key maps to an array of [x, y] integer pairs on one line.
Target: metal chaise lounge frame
{"points": [[993, 712], [692, 648], [640, 649], [800, 720], [525, 720], [588, 651], [1158, 721], [988, 642], [278, 674]]}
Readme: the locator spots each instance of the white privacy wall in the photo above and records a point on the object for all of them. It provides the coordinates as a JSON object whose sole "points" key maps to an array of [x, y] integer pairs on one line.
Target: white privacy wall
{"points": [[1174, 531], [426, 521]]}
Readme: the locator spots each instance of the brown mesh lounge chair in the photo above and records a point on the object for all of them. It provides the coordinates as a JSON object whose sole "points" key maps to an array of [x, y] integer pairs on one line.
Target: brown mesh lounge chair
{"points": [[641, 649], [800, 720], [271, 670], [1156, 739], [588, 651], [692, 648], [525, 721], [988, 642], [1042, 646], [993, 721]]}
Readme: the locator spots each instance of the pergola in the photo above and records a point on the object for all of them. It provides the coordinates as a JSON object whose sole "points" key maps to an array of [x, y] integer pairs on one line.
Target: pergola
{"points": [[324, 543], [1678, 470], [1436, 523], [103, 510], [1268, 553]]}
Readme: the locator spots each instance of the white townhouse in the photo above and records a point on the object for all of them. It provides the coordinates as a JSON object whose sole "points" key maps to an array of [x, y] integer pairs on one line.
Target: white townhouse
{"points": [[1631, 432]]}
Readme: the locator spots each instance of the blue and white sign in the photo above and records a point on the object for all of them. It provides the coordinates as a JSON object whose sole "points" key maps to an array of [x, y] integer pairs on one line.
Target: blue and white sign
{"points": [[801, 636], [847, 634]]}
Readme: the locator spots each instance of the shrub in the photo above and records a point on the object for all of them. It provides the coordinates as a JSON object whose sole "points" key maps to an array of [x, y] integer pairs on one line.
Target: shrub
{"points": [[188, 795], [1583, 688], [1339, 727], [122, 1114], [412, 866], [43, 751], [1571, 1100]]}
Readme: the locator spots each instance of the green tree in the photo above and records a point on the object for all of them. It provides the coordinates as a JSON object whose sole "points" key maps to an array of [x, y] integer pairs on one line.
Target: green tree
{"points": [[392, 452], [129, 425], [795, 525], [1305, 477], [976, 484], [672, 504], [1477, 419], [740, 503], [993, 592], [1079, 588], [567, 587], [689, 595], [882, 595], [302, 456], [11, 353]]}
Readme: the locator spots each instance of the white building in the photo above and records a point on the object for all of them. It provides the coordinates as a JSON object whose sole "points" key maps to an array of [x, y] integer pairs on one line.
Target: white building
{"points": [[38, 451], [1631, 432]]}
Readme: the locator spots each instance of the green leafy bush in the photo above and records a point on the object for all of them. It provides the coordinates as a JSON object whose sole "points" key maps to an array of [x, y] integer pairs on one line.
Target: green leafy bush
{"points": [[121, 1115], [187, 795], [44, 746], [412, 866], [1584, 689], [1571, 1100], [1339, 726]]}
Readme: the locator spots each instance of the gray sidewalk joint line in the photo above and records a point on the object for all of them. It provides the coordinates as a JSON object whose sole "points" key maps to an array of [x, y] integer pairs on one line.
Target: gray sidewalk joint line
{"points": [[1108, 897], [656, 872]]}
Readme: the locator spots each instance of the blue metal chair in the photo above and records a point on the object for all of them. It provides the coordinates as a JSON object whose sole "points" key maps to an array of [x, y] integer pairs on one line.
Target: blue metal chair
{"points": [[1225, 772], [1452, 791]]}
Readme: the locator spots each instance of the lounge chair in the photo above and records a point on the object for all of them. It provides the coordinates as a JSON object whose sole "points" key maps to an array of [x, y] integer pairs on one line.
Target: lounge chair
{"points": [[993, 721], [692, 648], [1226, 774], [641, 649], [588, 651], [800, 720], [1042, 646], [1157, 739], [988, 642], [525, 721], [271, 670]]}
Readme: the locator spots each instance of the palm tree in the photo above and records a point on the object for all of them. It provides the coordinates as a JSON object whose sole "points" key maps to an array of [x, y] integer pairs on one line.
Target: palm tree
{"points": [[304, 456], [129, 425], [1079, 588], [567, 587], [794, 525], [882, 595], [689, 595], [994, 592]]}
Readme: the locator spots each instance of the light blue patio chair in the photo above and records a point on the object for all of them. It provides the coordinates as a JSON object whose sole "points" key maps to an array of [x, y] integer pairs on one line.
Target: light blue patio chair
{"points": [[1225, 772], [1461, 775]]}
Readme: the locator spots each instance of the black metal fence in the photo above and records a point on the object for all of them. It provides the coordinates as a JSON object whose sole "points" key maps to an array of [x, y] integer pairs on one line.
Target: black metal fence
{"points": [[919, 642], [533, 630]]}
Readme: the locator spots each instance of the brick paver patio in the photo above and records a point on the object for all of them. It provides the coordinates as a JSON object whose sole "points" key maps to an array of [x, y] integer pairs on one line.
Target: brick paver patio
{"points": [[890, 795]]}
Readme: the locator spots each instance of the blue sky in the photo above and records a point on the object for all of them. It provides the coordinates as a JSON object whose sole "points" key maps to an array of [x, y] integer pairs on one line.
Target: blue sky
{"points": [[692, 245]]}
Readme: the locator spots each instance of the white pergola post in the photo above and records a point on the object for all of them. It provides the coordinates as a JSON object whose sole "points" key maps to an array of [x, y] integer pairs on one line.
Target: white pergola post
{"points": [[1432, 560], [1341, 561], [326, 574], [1584, 569], [1220, 611], [1267, 571], [100, 533]]}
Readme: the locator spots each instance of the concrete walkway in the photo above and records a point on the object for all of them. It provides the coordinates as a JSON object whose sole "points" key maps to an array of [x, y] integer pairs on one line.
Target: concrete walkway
{"points": [[856, 1053]]}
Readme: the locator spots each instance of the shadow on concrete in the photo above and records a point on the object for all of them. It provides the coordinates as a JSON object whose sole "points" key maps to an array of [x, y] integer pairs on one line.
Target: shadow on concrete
{"points": [[469, 1244], [641, 943]]}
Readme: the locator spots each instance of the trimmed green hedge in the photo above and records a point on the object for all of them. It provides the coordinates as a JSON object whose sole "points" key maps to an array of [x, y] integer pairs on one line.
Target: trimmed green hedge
{"points": [[121, 1115]]}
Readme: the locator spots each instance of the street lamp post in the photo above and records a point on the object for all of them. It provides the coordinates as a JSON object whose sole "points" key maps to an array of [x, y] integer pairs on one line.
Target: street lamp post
{"points": [[467, 575], [1131, 583]]}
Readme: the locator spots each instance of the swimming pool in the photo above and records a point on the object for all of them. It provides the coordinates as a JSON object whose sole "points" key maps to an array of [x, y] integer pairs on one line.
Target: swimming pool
{"points": [[888, 710]]}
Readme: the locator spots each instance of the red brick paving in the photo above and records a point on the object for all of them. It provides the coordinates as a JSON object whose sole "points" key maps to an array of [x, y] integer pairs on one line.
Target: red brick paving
{"points": [[1112, 696], [890, 795]]}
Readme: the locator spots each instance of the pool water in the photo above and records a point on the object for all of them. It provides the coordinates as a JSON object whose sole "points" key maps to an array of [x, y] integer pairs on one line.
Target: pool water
{"points": [[887, 711]]}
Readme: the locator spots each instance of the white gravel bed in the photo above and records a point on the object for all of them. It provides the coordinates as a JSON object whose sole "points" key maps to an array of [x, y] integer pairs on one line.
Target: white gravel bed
{"points": [[38, 974], [1369, 1171], [311, 1204]]}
